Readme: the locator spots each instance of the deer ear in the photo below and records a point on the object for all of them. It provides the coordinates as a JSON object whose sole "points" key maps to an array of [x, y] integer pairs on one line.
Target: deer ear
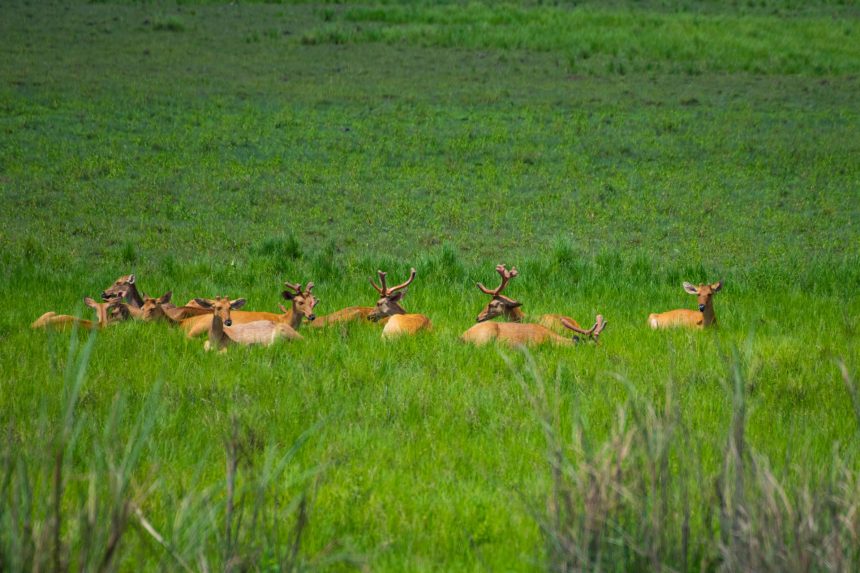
{"points": [[203, 303], [131, 279], [90, 302], [717, 286], [238, 303], [288, 295], [691, 288], [283, 308], [397, 296], [165, 298]]}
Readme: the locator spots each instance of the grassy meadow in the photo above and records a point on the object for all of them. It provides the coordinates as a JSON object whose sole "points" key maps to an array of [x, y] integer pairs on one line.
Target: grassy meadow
{"points": [[610, 151]]}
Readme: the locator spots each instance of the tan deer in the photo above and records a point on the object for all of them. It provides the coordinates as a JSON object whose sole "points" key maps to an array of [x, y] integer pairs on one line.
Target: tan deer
{"points": [[114, 310], [523, 334], [223, 333], [388, 307], [126, 287], [301, 308], [509, 309], [702, 318]]}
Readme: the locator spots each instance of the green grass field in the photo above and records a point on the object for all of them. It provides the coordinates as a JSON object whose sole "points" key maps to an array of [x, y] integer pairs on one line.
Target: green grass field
{"points": [[609, 151]]}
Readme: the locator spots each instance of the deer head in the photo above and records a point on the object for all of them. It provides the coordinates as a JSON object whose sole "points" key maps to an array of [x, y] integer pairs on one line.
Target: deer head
{"points": [[151, 308], [704, 293], [113, 310], [500, 304], [221, 307], [389, 303], [119, 287], [303, 301]]}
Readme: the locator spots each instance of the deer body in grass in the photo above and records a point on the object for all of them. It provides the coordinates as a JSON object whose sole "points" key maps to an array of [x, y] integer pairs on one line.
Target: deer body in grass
{"points": [[515, 330], [108, 312], [302, 303], [388, 307], [702, 318], [223, 333]]}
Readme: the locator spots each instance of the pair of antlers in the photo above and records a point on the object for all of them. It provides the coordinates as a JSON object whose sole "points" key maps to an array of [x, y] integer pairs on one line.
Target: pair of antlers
{"points": [[592, 333], [506, 275], [384, 290], [298, 287]]}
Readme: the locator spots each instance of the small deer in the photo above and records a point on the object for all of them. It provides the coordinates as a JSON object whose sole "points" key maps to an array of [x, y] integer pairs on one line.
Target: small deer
{"points": [[522, 334], [506, 307], [114, 310], [302, 307], [222, 332], [702, 318], [388, 306]]}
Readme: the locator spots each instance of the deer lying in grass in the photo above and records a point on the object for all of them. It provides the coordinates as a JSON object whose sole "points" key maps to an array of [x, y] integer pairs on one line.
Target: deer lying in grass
{"points": [[222, 332], [702, 318], [388, 306], [509, 309], [302, 307], [125, 287], [114, 310], [519, 334]]}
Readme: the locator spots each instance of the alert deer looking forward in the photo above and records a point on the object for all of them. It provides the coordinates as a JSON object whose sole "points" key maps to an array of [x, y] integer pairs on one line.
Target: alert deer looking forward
{"points": [[388, 306], [702, 318], [302, 303], [222, 332]]}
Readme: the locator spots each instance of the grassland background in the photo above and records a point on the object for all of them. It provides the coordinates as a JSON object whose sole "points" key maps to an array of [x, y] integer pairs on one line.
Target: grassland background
{"points": [[610, 151]]}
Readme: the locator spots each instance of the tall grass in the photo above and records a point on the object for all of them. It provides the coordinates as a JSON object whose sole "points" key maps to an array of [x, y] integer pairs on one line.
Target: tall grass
{"points": [[641, 499], [73, 503]]}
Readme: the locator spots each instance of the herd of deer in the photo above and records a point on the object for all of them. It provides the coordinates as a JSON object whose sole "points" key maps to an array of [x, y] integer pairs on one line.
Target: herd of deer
{"points": [[226, 325]]}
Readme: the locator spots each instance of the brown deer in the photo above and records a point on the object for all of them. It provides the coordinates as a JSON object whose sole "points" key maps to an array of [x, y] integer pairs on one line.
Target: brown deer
{"points": [[114, 310], [388, 307], [702, 318], [506, 307], [522, 334], [222, 332], [302, 307], [126, 287]]}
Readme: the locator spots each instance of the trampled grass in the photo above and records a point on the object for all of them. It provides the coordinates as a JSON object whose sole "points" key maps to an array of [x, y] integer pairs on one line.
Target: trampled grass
{"points": [[223, 149]]}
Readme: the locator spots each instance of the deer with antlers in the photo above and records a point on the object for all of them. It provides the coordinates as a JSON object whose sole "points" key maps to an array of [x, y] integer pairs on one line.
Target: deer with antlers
{"points": [[388, 307], [703, 318], [515, 330], [109, 312], [301, 308]]}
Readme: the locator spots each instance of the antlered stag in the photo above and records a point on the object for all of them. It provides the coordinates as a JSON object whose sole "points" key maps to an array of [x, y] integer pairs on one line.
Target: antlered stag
{"points": [[509, 309], [388, 306]]}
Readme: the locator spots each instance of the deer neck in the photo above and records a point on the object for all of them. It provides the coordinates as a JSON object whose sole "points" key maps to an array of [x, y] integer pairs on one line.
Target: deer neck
{"points": [[217, 336], [293, 318], [133, 297], [515, 315], [708, 314]]}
